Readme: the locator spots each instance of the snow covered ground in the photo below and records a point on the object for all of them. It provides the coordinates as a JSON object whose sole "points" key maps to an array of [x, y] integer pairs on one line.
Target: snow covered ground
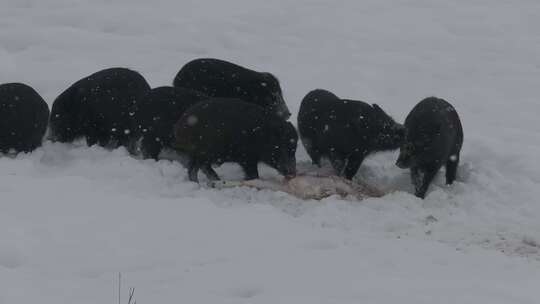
{"points": [[72, 217]]}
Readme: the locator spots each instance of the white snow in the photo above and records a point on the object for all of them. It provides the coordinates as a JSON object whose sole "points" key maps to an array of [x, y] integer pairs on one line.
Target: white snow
{"points": [[72, 217]]}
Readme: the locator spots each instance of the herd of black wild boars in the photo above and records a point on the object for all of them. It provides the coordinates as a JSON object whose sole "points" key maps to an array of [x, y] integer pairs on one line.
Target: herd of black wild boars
{"points": [[217, 112]]}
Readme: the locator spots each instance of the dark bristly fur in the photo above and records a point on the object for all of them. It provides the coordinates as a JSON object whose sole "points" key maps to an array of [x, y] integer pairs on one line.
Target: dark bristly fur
{"points": [[434, 137], [222, 130], [345, 131], [155, 116], [98, 108], [219, 78], [23, 118]]}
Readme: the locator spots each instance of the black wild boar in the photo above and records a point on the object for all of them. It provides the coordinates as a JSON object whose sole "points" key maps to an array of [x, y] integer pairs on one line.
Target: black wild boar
{"points": [[219, 78], [23, 118], [434, 137], [222, 130], [98, 108], [345, 131], [155, 116]]}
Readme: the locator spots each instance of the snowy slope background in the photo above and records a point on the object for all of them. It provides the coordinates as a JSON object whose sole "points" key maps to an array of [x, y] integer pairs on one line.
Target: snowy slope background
{"points": [[72, 217]]}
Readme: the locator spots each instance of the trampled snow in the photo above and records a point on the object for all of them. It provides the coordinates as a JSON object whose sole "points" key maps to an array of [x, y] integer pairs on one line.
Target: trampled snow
{"points": [[73, 217]]}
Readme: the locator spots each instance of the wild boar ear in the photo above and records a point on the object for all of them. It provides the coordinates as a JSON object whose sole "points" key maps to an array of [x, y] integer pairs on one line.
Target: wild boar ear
{"points": [[377, 108], [269, 77]]}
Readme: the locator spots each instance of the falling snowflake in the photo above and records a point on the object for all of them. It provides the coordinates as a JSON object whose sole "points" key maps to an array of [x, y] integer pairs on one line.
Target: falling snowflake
{"points": [[192, 120]]}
